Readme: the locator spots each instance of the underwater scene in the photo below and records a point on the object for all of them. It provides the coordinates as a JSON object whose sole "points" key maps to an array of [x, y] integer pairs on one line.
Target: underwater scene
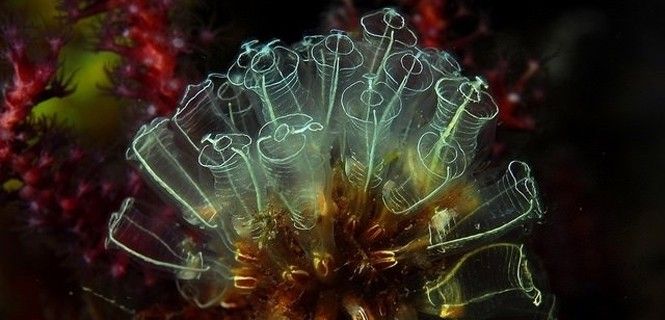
{"points": [[342, 159]]}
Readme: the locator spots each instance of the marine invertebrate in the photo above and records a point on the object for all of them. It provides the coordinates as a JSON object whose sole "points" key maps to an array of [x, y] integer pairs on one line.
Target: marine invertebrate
{"points": [[459, 28], [341, 177], [45, 166], [437, 22], [47, 163], [149, 43]]}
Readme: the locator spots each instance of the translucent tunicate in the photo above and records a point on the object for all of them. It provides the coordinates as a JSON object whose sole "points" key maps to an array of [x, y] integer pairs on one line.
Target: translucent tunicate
{"points": [[347, 164]]}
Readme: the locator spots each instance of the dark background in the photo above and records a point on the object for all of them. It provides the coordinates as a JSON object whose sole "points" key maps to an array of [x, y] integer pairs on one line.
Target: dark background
{"points": [[598, 149], [600, 153]]}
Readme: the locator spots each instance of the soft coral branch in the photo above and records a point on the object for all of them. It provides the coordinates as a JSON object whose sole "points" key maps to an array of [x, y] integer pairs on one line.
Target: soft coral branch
{"points": [[142, 34], [30, 78], [67, 189], [60, 194], [510, 94]]}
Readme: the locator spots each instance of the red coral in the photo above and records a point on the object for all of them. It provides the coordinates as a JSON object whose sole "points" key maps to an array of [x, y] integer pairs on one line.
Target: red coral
{"points": [[68, 190], [27, 86], [143, 35], [30, 79], [429, 21], [510, 95]]}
